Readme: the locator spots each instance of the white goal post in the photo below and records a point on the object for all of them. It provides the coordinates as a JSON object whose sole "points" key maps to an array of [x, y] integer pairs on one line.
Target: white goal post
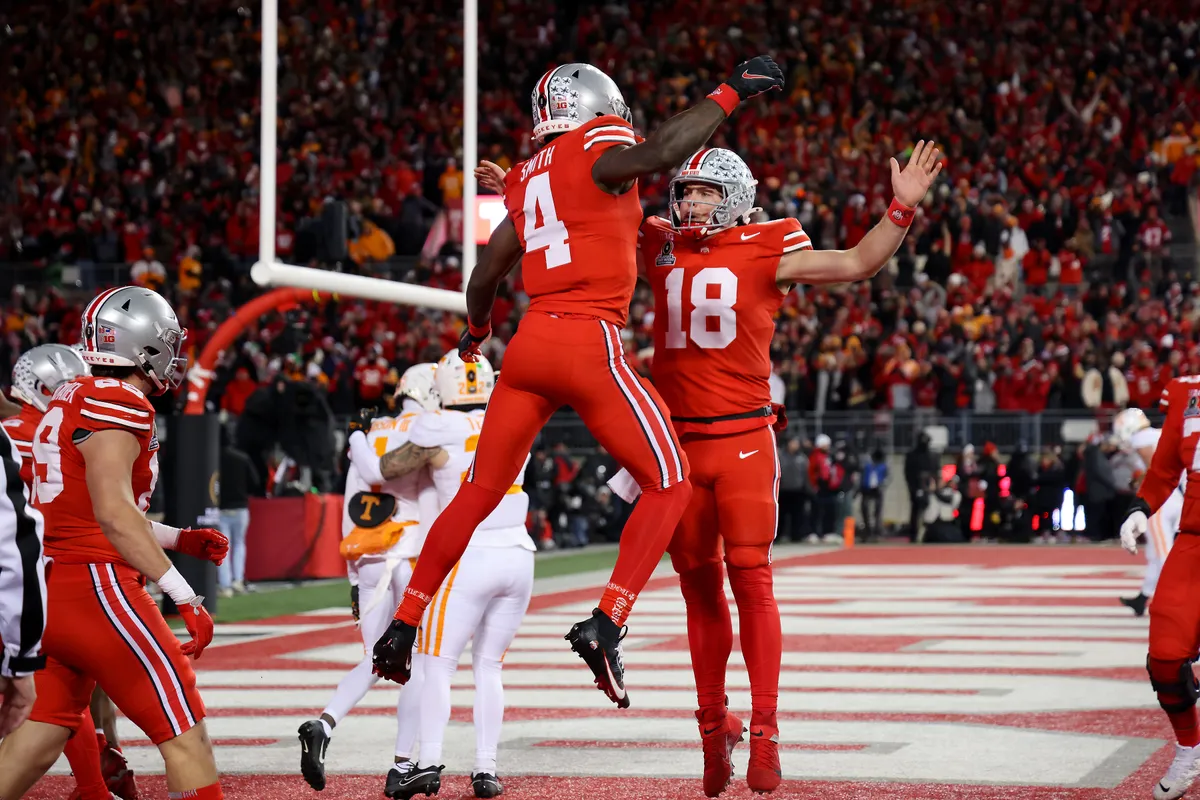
{"points": [[269, 272]]}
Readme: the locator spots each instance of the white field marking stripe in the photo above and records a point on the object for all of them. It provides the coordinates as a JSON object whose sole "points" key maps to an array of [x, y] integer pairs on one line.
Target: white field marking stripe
{"points": [[117, 407], [649, 434], [609, 129], [793, 235], [163, 700], [170, 668], [629, 140], [141, 426], [663, 427]]}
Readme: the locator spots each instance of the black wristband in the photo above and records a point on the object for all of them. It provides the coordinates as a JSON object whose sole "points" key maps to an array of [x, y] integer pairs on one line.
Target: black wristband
{"points": [[25, 665]]}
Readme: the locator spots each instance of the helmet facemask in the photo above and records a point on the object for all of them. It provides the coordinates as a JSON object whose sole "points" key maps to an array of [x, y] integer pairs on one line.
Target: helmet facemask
{"points": [[723, 171], [175, 369]]}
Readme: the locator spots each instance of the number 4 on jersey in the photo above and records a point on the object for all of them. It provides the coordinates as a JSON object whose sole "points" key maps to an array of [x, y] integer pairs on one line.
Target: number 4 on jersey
{"points": [[551, 235]]}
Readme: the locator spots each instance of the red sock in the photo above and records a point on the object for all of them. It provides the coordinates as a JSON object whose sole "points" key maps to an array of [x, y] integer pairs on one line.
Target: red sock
{"points": [[1186, 725], [761, 638], [444, 546], [210, 792], [710, 632], [643, 542], [83, 755]]}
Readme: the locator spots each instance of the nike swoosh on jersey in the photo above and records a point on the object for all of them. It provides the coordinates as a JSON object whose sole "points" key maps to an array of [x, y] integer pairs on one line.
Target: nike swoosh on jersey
{"points": [[746, 455], [746, 236]]}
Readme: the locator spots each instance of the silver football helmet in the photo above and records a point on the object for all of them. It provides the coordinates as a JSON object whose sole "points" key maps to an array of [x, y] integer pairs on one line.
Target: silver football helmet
{"points": [[724, 170], [135, 327], [42, 369], [568, 96]]}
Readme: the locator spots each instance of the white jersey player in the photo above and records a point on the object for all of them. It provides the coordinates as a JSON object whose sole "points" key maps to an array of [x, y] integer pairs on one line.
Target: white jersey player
{"points": [[1132, 429], [383, 525], [484, 597]]}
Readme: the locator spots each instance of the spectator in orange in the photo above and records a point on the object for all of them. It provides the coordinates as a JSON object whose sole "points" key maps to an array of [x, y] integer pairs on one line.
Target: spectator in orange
{"points": [[238, 391], [451, 182], [148, 271], [373, 245], [190, 271]]}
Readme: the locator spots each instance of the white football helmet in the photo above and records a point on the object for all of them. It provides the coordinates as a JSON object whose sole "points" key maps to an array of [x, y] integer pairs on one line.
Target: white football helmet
{"points": [[568, 96], [724, 170], [417, 384], [1127, 423], [42, 369], [462, 384]]}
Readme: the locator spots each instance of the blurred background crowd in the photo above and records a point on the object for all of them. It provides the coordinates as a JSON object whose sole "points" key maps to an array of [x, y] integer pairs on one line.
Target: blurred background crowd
{"points": [[1050, 274]]}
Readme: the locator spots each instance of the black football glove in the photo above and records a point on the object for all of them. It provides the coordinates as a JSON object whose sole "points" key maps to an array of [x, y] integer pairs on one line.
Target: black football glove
{"points": [[391, 657], [354, 602], [469, 346], [752, 78], [362, 420]]}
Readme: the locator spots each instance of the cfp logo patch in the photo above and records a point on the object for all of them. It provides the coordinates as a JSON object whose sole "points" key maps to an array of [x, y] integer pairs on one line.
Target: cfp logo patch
{"points": [[1193, 404], [666, 257], [107, 335]]}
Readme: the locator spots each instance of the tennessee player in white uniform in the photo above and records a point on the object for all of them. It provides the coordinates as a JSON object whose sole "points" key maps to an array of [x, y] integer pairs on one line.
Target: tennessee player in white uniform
{"points": [[382, 532], [484, 597], [1132, 429]]}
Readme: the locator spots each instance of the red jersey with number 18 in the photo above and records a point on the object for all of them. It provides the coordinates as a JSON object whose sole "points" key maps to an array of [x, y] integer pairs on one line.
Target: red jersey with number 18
{"points": [[78, 409], [715, 300], [580, 242]]}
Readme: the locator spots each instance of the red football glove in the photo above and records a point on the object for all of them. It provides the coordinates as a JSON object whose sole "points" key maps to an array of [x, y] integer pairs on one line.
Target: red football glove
{"points": [[469, 345], [206, 543], [199, 625]]}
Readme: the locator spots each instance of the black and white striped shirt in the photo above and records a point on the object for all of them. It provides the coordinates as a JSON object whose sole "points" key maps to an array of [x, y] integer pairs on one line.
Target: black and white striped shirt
{"points": [[22, 571]]}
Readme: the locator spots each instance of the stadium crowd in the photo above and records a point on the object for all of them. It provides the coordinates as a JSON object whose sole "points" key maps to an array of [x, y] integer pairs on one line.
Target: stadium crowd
{"points": [[1040, 273]]}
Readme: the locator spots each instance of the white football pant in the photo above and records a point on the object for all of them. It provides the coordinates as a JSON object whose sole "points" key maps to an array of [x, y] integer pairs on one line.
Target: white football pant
{"points": [[381, 586], [1160, 535], [484, 597]]}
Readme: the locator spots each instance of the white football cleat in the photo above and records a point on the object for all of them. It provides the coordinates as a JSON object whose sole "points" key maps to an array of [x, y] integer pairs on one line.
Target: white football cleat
{"points": [[1180, 774]]}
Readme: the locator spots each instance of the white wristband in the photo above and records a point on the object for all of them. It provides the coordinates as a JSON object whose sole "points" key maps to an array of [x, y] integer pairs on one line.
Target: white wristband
{"points": [[167, 536], [176, 587]]}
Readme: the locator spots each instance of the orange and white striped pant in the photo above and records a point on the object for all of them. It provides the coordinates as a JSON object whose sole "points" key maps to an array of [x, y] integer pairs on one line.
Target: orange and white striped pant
{"points": [[1160, 535]]}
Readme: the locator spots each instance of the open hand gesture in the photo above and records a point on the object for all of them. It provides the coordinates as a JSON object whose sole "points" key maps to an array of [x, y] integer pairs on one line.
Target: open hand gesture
{"points": [[490, 176], [910, 184]]}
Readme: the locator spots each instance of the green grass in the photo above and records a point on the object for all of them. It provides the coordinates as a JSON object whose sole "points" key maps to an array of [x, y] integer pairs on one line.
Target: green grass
{"points": [[276, 600]]}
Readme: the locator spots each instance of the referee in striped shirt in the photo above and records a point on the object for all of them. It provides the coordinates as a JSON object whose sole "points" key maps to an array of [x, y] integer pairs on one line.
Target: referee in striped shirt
{"points": [[22, 593]]}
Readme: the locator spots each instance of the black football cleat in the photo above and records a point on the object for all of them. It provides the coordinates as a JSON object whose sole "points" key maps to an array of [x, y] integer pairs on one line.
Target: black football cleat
{"points": [[391, 657], [486, 785], [418, 780], [1136, 604], [313, 744], [597, 640]]}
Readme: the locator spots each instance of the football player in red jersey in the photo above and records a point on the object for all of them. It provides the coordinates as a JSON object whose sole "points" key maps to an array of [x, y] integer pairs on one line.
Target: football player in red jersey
{"points": [[37, 373], [1175, 610], [718, 281], [95, 457], [572, 222]]}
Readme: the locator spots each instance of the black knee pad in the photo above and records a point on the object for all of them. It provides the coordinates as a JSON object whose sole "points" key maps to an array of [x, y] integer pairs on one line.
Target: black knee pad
{"points": [[1183, 690]]}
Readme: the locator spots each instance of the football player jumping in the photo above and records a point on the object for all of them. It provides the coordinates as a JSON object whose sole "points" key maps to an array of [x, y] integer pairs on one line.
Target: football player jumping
{"points": [[572, 222]]}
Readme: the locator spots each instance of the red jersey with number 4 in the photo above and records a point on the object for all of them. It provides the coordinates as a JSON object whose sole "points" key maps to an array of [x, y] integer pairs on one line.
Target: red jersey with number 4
{"points": [[78, 409], [21, 429], [1177, 452], [580, 242], [715, 301]]}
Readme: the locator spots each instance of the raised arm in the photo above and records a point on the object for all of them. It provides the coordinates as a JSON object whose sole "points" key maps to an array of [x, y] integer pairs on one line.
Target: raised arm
{"points": [[866, 258], [683, 134]]}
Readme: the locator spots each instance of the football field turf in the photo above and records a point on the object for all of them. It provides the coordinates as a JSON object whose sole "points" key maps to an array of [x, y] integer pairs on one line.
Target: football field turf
{"points": [[977, 672]]}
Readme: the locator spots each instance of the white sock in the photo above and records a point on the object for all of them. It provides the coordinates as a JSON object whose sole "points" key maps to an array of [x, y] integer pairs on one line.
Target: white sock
{"points": [[435, 705], [402, 766], [352, 689], [328, 729], [408, 710], [489, 711]]}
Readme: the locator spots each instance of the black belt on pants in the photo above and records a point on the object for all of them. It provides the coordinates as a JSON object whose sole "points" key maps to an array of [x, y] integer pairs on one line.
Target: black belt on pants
{"points": [[765, 411]]}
